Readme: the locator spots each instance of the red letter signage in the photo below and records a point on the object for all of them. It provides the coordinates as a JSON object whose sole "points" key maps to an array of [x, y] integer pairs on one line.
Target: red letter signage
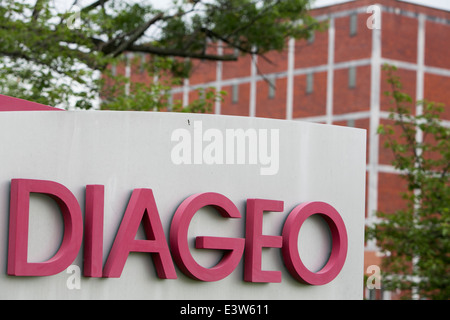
{"points": [[93, 225], [179, 238], [18, 228], [290, 243], [255, 240], [142, 207]]}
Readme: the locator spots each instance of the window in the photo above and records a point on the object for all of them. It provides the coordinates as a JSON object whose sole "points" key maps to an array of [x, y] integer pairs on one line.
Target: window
{"points": [[235, 93], [169, 103], [309, 82], [351, 123], [352, 77], [272, 87], [353, 24], [142, 63], [311, 37], [113, 69]]}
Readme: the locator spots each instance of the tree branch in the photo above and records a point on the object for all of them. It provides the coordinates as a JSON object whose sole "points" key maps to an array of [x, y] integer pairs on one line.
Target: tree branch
{"points": [[256, 18], [136, 34], [180, 53], [94, 5], [212, 34], [37, 9]]}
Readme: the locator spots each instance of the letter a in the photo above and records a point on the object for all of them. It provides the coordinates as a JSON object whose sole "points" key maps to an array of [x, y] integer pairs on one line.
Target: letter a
{"points": [[374, 280], [141, 207], [374, 21]]}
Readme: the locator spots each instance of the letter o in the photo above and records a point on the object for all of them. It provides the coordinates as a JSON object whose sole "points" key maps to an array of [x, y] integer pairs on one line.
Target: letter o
{"points": [[339, 238]]}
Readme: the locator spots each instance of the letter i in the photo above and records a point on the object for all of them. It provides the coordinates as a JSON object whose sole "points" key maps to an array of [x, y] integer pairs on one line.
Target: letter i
{"points": [[93, 239]]}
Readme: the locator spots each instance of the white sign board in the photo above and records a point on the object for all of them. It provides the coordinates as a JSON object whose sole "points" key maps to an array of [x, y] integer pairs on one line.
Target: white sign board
{"points": [[221, 200]]}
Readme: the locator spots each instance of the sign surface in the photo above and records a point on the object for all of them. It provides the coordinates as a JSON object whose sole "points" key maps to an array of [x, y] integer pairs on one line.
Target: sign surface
{"points": [[221, 200]]}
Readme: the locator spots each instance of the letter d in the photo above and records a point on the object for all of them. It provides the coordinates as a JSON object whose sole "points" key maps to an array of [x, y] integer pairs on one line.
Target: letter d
{"points": [[18, 228]]}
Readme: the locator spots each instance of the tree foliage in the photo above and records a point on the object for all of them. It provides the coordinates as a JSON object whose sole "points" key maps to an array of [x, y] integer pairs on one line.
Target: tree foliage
{"points": [[416, 240], [56, 58], [152, 92]]}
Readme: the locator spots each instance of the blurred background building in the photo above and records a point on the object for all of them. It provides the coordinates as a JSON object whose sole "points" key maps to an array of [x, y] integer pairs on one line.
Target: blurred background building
{"points": [[336, 77]]}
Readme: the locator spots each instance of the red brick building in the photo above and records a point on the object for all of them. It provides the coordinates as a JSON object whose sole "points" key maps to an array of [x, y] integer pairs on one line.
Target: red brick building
{"points": [[336, 78]]}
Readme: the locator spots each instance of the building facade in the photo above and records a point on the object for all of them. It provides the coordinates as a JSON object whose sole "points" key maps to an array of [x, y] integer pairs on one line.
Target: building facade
{"points": [[336, 77]]}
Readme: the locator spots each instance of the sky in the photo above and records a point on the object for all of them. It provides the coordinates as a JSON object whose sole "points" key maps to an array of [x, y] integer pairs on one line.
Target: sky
{"points": [[440, 4]]}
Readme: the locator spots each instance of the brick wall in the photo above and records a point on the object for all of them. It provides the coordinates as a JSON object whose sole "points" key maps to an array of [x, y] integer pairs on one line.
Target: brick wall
{"points": [[437, 89], [310, 104], [346, 99], [399, 37], [352, 47]]}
